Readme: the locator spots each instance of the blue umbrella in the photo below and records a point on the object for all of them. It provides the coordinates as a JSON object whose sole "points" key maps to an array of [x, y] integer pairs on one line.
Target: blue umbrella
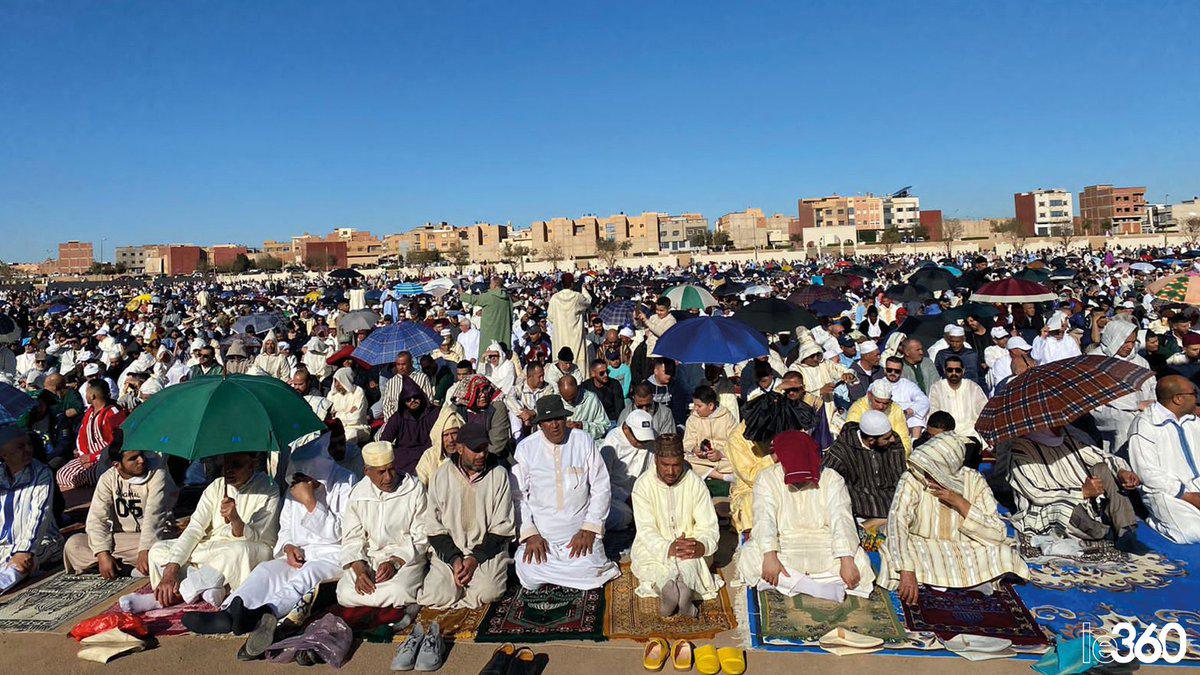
{"points": [[408, 288], [710, 339], [58, 309], [14, 403], [952, 270], [373, 296], [829, 307], [620, 313], [382, 345]]}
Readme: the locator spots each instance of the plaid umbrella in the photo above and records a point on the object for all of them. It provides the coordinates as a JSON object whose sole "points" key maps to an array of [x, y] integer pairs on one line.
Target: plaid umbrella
{"points": [[809, 294], [621, 313], [382, 345], [14, 403], [1057, 393], [1183, 288], [1013, 291]]}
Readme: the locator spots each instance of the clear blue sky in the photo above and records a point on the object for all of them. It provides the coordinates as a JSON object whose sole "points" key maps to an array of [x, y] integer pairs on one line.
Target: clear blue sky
{"points": [[144, 122]]}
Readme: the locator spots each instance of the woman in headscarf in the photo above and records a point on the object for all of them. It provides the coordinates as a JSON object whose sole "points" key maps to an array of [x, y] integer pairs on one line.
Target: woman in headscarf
{"points": [[409, 427], [804, 537], [1119, 339], [943, 529], [350, 406], [441, 437], [497, 367], [482, 403]]}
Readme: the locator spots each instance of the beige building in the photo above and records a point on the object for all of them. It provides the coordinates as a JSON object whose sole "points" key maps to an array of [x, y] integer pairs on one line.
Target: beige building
{"points": [[484, 241], [753, 229], [567, 238], [902, 213], [133, 258], [676, 233], [278, 249], [865, 214]]}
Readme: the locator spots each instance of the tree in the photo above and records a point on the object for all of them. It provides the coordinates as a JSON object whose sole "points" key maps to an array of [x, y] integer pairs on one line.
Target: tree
{"points": [[720, 239], [102, 268], [889, 239], [1065, 234], [952, 231], [553, 253], [611, 250], [514, 255], [797, 240], [422, 259], [202, 265], [1012, 232], [269, 263], [460, 258], [700, 239], [1191, 230]]}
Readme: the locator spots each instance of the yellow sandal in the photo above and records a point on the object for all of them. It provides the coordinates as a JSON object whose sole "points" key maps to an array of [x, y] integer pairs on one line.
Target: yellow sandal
{"points": [[656, 654], [706, 660], [681, 655], [733, 660]]}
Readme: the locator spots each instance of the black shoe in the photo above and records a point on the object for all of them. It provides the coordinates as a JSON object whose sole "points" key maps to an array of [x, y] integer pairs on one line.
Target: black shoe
{"points": [[260, 638], [1129, 543], [498, 665], [306, 657], [208, 623], [236, 611]]}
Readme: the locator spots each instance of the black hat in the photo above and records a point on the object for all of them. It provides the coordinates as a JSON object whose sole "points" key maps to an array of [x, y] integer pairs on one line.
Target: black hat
{"points": [[550, 408], [566, 354], [474, 436]]}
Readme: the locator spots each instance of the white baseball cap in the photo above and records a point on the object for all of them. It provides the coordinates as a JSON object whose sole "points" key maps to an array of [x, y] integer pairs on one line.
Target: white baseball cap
{"points": [[641, 423]]}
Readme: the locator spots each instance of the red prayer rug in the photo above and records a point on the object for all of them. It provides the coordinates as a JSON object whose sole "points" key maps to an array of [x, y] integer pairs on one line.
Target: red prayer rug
{"points": [[958, 611]]}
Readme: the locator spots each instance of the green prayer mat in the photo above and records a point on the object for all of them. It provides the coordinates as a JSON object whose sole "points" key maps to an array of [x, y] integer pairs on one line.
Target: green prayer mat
{"points": [[717, 488], [804, 618]]}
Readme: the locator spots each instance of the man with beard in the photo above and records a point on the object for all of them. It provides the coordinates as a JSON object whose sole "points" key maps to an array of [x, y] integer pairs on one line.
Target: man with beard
{"points": [[962, 398], [866, 369], [270, 360], [643, 399], [587, 413], [870, 459], [237, 361], [523, 398], [907, 395]]}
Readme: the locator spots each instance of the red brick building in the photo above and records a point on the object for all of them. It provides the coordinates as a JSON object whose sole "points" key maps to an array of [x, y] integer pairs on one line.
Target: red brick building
{"points": [[931, 221], [74, 257], [322, 255], [1123, 208], [172, 260], [222, 256]]}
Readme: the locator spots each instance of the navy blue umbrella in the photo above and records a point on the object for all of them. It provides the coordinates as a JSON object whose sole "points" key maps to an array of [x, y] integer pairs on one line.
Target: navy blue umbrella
{"points": [[383, 344], [14, 403], [710, 339], [829, 307]]}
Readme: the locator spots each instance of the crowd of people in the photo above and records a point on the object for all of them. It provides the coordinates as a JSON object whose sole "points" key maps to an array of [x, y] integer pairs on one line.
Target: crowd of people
{"points": [[540, 427]]}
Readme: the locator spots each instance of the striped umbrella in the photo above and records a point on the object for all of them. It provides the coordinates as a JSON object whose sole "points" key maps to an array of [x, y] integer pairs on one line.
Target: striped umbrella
{"points": [[1055, 394], [1007, 291], [620, 313], [690, 296], [1183, 288], [383, 344], [408, 288]]}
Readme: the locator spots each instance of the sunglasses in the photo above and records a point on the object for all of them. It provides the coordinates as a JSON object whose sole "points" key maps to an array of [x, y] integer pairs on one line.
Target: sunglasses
{"points": [[893, 370], [794, 390], [954, 370]]}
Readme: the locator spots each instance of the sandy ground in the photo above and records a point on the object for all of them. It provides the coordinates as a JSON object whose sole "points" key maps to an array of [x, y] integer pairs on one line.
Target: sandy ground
{"points": [[44, 653]]}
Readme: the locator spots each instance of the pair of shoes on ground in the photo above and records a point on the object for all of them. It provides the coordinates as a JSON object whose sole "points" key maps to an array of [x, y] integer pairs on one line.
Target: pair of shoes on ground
{"points": [[509, 660], [675, 598], [707, 659], [424, 650]]}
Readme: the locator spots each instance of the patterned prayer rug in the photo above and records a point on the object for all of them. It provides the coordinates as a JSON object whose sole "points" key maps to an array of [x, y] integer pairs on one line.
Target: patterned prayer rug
{"points": [[804, 619], [51, 604], [955, 611], [168, 620], [455, 624], [633, 618], [549, 613]]}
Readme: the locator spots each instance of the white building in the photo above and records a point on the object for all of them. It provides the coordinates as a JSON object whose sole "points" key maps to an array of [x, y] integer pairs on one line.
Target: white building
{"points": [[902, 213], [1042, 212]]}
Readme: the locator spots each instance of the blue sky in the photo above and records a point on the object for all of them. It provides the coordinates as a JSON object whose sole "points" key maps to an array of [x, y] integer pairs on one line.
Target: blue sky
{"points": [[205, 122]]}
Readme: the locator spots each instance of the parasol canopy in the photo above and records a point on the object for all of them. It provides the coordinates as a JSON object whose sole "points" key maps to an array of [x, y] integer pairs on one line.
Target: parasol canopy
{"points": [[1014, 291], [708, 339]]}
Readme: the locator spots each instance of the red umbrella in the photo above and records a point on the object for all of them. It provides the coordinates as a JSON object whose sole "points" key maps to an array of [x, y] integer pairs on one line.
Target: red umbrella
{"points": [[1008, 291], [1057, 393], [810, 294]]}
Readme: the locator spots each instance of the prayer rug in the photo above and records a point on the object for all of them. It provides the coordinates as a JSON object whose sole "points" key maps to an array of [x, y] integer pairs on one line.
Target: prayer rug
{"points": [[629, 617], [49, 605], [166, 621], [549, 613], [456, 624], [956, 611], [804, 619]]}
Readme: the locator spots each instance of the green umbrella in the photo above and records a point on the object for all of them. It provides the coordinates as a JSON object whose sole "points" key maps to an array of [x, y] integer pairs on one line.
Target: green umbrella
{"points": [[688, 296], [211, 416]]}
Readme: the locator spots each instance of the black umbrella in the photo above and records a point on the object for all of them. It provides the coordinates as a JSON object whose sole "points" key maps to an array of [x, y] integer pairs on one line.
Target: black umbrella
{"points": [[807, 295], [860, 271], [933, 278], [730, 288], [925, 329], [624, 292], [345, 273], [772, 315], [1036, 276], [1062, 274], [909, 293]]}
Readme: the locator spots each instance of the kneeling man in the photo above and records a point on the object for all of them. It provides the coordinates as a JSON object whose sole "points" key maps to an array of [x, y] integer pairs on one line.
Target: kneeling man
{"points": [[562, 502], [383, 535]]}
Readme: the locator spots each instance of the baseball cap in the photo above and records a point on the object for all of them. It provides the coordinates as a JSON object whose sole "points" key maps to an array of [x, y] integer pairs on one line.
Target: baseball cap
{"points": [[641, 423]]}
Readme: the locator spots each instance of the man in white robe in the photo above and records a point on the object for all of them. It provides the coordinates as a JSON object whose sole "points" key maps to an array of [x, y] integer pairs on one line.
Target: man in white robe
{"points": [[383, 535], [962, 398], [270, 360], [567, 310], [523, 398], [468, 338], [626, 454], [232, 530], [562, 501], [677, 533], [1055, 344], [31, 538], [907, 395], [1164, 450]]}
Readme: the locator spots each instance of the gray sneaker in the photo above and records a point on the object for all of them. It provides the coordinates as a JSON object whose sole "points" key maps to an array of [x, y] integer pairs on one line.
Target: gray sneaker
{"points": [[432, 650], [406, 656]]}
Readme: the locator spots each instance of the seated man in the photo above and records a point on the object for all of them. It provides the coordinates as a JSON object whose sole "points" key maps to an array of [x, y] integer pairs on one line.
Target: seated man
{"points": [[962, 398], [306, 553], [676, 534], [879, 397], [131, 505], [870, 459], [562, 502], [907, 395], [587, 413], [226, 538], [626, 457], [383, 535], [1066, 488], [943, 529], [469, 521], [99, 429], [30, 536], [706, 435], [1164, 450], [804, 538], [643, 399]]}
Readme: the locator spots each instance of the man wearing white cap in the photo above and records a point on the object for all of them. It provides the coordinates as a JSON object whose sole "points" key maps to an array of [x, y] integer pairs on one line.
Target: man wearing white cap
{"points": [[449, 351], [993, 354], [871, 459], [626, 454], [962, 398], [867, 369], [879, 398], [907, 395], [956, 345], [1015, 361], [1054, 344], [383, 535]]}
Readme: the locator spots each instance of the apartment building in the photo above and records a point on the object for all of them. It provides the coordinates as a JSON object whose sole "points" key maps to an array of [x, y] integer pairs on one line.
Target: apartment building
{"points": [[173, 259], [1124, 208], [484, 241], [676, 233], [902, 212], [565, 237], [864, 214], [133, 258], [74, 257], [1041, 212]]}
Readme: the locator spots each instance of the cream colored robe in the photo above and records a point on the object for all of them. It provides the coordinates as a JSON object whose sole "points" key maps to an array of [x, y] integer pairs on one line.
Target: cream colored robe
{"points": [[663, 514], [716, 428], [747, 459], [810, 528], [566, 311], [377, 526]]}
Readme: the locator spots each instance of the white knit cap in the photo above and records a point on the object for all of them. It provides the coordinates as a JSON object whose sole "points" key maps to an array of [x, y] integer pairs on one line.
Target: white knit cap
{"points": [[954, 330], [881, 389], [874, 423], [91, 369], [378, 453], [867, 346]]}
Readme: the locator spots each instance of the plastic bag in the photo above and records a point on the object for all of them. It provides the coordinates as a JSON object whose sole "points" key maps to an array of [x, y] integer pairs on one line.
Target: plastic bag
{"points": [[124, 621]]}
